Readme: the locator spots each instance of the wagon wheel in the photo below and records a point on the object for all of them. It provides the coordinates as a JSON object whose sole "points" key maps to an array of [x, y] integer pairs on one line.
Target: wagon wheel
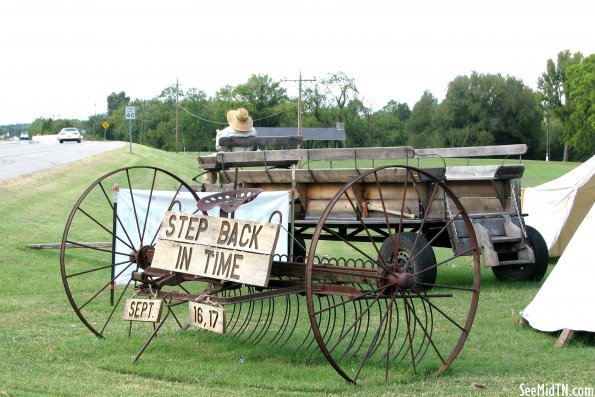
{"points": [[385, 306], [527, 271], [109, 234]]}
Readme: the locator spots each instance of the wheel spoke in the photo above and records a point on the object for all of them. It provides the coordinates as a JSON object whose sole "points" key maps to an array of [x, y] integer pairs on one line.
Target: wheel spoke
{"points": [[448, 260], [131, 190], [106, 285], [446, 316], [152, 243], [83, 245], [115, 306], [124, 230], [149, 201], [95, 269], [111, 233]]}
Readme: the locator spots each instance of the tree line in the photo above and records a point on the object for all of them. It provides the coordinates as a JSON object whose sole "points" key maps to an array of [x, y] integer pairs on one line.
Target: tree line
{"points": [[480, 109]]}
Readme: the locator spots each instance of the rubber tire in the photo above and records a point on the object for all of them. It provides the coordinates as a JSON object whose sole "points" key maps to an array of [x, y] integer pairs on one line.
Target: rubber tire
{"points": [[61, 141], [527, 272], [423, 260], [542, 255]]}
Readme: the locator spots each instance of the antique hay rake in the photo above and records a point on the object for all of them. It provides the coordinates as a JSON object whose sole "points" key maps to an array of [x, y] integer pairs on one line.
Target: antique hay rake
{"points": [[361, 264]]}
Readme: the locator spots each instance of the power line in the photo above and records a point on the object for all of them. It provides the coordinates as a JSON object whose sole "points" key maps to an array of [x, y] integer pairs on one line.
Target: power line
{"points": [[218, 122]]}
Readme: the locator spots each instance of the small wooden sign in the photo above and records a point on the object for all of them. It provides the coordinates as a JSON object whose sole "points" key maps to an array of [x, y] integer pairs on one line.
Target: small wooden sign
{"points": [[207, 317], [219, 248], [148, 310]]}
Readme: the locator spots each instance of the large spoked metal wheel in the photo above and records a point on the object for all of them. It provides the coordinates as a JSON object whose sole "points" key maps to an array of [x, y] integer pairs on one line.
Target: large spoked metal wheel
{"points": [[380, 297], [111, 232]]}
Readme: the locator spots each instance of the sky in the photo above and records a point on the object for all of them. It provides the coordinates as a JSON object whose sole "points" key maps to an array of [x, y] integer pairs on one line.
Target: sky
{"points": [[62, 58]]}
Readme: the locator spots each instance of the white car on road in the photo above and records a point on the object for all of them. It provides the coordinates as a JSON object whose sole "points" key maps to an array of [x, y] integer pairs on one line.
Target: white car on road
{"points": [[69, 134]]}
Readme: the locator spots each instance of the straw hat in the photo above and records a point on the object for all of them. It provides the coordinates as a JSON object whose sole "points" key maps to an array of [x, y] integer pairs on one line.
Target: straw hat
{"points": [[240, 120]]}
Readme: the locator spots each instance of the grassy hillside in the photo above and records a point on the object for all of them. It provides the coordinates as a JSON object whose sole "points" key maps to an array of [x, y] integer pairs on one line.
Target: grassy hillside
{"points": [[46, 351]]}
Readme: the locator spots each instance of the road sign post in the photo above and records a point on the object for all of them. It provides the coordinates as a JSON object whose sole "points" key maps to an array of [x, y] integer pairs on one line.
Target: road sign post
{"points": [[105, 126], [130, 113]]}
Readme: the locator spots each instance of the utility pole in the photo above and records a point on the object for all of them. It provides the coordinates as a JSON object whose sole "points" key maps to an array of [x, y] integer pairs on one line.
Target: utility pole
{"points": [[299, 122], [177, 116], [142, 122], [95, 122]]}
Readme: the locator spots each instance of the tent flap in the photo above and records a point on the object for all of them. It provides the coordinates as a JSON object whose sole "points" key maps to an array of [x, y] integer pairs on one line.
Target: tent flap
{"points": [[557, 208]]}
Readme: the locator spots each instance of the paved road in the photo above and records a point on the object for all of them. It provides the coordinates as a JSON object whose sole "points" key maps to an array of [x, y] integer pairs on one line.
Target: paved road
{"points": [[24, 157]]}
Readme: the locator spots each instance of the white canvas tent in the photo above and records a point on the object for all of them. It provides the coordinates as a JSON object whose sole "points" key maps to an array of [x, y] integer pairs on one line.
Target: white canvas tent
{"points": [[567, 300], [556, 208]]}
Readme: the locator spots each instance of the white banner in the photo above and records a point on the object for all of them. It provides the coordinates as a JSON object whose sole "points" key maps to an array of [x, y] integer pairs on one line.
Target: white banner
{"points": [[259, 209]]}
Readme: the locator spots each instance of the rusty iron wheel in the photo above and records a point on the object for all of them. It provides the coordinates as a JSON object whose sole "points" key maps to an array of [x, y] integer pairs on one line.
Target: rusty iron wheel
{"points": [[408, 319], [109, 234]]}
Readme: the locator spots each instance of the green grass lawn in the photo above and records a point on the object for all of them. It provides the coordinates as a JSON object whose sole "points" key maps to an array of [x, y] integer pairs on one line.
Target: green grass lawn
{"points": [[46, 351]]}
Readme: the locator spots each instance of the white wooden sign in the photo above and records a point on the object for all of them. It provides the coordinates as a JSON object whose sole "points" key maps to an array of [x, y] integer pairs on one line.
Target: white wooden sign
{"points": [[218, 248], [207, 317], [148, 310], [130, 112]]}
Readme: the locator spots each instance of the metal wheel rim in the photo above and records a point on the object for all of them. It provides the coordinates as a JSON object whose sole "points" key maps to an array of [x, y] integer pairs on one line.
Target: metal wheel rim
{"points": [[474, 291]]}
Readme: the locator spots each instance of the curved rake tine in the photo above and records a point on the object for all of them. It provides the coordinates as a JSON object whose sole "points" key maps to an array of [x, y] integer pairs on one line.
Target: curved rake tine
{"points": [[409, 338], [268, 321], [297, 316], [284, 322], [342, 336], [409, 307], [428, 336], [371, 349], [248, 317], [236, 313], [330, 319], [255, 327]]}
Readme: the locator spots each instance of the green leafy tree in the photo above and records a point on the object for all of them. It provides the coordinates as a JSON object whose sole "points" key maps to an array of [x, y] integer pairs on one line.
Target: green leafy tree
{"points": [[265, 100], [328, 101], [553, 87], [359, 129], [115, 101], [197, 131], [581, 106], [317, 107], [264, 97], [401, 110], [388, 125], [419, 127], [489, 109]]}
